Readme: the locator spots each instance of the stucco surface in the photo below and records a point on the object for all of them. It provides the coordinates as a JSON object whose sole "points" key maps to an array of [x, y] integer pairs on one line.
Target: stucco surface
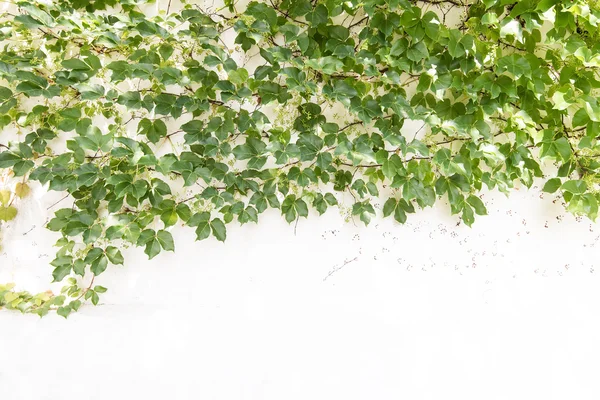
{"points": [[504, 310], [328, 309]]}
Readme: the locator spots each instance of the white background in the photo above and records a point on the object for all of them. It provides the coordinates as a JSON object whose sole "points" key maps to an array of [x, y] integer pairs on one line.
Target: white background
{"points": [[428, 310]]}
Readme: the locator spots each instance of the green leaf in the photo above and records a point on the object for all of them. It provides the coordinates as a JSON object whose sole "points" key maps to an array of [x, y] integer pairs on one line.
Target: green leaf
{"points": [[114, 255], [79, 267], [148, 28], [38, 13], [580, 118], [8, 159], [165, 50], [61, 271], [218, 229], [293, 208], [166, 240], [183, 211], [309, 145], [154, 130], [515, 64], [467, 215], [417, 52], [392, 167], [238, 76], [318, 16], [364, 210], [99, 265], [252, 148], [131, 100], [152, 248], [455, 47], [389, 206], [100, 289], [202, 223], [385, 24], [575, 186], [392, 206], [248, 214], [400, 214], [552, 185], [169, 217], [563, 148], [327, 65], [75, 64], [477, 204], [64, 311], [94, 297], [91, 91], [262, 12]]}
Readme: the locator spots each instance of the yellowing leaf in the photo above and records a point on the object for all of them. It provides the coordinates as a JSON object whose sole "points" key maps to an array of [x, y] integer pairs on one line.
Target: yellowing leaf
{"points": [[7, 213], [4, 197], [22, 190]]}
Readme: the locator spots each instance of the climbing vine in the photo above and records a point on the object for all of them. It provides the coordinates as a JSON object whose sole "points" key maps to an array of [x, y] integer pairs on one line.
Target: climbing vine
{"points": [[207, 116]]}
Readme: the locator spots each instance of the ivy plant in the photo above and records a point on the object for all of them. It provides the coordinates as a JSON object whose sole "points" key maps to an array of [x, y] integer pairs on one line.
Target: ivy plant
{"points": [[209, 117]]}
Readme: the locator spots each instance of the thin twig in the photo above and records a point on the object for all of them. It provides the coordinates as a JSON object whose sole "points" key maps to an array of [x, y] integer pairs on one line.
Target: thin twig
{"points": [[358, 22], [296, 224], [336, 269], [58, 201]]}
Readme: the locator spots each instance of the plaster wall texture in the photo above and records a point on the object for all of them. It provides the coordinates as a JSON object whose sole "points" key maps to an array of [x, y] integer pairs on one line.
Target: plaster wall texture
{"points": [[504, 310], [325, 310]]}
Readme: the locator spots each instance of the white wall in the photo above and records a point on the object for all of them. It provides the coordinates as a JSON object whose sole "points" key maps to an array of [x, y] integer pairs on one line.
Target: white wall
{"points": [[505, 310], [428, 310]]}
